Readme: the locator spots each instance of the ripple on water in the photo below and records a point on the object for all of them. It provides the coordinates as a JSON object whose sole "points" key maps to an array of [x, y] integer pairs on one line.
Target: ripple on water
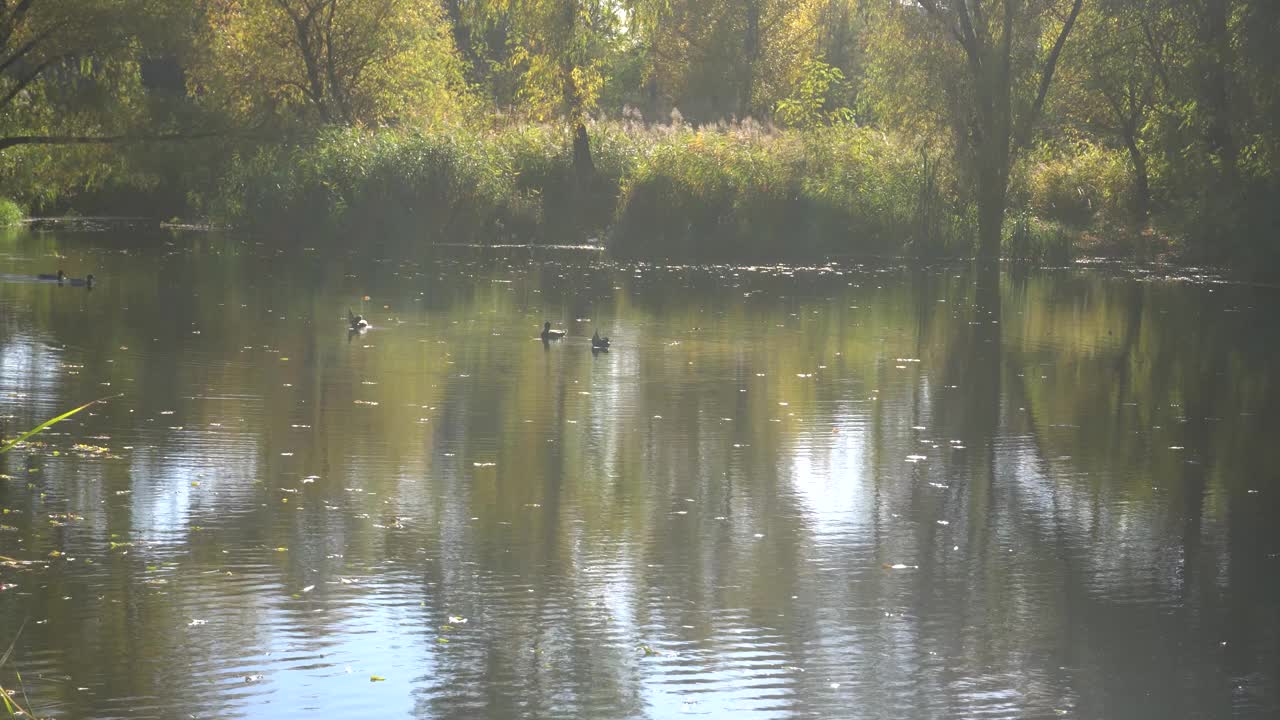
{"points": [[718, 518]]}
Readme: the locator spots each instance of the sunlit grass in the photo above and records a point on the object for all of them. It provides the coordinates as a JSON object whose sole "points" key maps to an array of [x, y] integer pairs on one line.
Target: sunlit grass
{"points": [[10, 212], [11, 705], [738, 189], [743, 191]]}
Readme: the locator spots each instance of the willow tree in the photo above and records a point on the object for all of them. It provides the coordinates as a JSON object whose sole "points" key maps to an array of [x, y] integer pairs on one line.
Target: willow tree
{"points": [[993, 63], [1110, 84], [70, 72], [557, 51], [344, 62], [714, 59]]}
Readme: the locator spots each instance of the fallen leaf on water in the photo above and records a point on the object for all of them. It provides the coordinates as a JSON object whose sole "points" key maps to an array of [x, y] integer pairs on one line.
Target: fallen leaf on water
{"points": [[376, 678]]}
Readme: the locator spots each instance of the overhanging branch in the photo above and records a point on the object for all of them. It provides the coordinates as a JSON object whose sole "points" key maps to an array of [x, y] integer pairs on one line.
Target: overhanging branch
{"points": [[16, 140], [1046, 76]]}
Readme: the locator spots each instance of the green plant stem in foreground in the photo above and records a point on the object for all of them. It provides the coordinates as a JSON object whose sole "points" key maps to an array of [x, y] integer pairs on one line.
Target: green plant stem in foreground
{"points": [[11, 706], [9, 445]]}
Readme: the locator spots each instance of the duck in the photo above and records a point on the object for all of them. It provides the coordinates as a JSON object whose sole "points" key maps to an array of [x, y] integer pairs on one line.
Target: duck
{"points": [[599, 343], [59, 277], [549, 334], [86, 282], [357, 322]]}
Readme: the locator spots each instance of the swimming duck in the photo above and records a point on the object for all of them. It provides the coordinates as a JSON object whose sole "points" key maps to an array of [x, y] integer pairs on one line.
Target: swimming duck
{"points": [[549, 334], [87, 282], [599, 343], [357, 322], [59, 277]]}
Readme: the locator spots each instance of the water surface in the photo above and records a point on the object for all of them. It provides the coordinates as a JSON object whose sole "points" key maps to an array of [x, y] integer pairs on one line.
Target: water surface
{"points": [[838, 491]]}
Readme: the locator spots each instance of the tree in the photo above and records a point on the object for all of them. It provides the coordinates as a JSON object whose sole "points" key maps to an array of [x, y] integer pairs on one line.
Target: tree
{"points": [[715, 59], [347, 62], [557, 50], [811, 102], [1218, 129], [997, 60], [70, 72], [1113, 83]]}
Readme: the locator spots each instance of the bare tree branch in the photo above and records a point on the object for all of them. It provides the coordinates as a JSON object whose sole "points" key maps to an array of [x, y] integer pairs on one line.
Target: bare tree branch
{"points": [[1046, 74], [16, 140], [30, 78], [27, 47]]}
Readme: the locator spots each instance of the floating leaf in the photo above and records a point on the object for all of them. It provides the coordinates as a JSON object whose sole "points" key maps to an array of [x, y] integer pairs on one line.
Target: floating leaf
{"points": [[376, 678]]}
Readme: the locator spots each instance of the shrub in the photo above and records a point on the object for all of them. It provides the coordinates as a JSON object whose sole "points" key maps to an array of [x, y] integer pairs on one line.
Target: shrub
{"points": [[1044, 242], [744, 192], [1089, 184], [438, 187], [10, 212], [449, 185]]}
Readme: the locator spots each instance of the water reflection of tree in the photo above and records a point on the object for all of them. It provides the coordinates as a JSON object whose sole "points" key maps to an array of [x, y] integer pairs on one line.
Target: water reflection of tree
{"points": [[591, 521]]}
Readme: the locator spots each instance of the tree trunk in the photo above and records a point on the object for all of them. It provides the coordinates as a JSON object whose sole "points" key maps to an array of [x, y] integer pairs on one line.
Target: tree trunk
{"points": [[1141, 184], [583, 167], [302, 31], [993, 157], [992, 139], [750, 52], [568, 61], [336, 85], [1216, 89], [992, 195]]}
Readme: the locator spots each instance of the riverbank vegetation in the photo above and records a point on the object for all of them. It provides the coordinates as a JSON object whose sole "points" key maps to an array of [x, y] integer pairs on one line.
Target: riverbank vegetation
{"points": [[10, 212], [727, 128]]}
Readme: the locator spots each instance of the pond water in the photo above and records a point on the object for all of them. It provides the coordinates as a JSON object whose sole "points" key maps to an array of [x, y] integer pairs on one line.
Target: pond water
{"points": [[839, 491]]}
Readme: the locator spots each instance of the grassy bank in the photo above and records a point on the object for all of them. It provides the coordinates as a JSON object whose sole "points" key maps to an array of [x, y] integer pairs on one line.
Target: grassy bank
{"points": [[740, 191], [747, 193], [455, 185]]}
